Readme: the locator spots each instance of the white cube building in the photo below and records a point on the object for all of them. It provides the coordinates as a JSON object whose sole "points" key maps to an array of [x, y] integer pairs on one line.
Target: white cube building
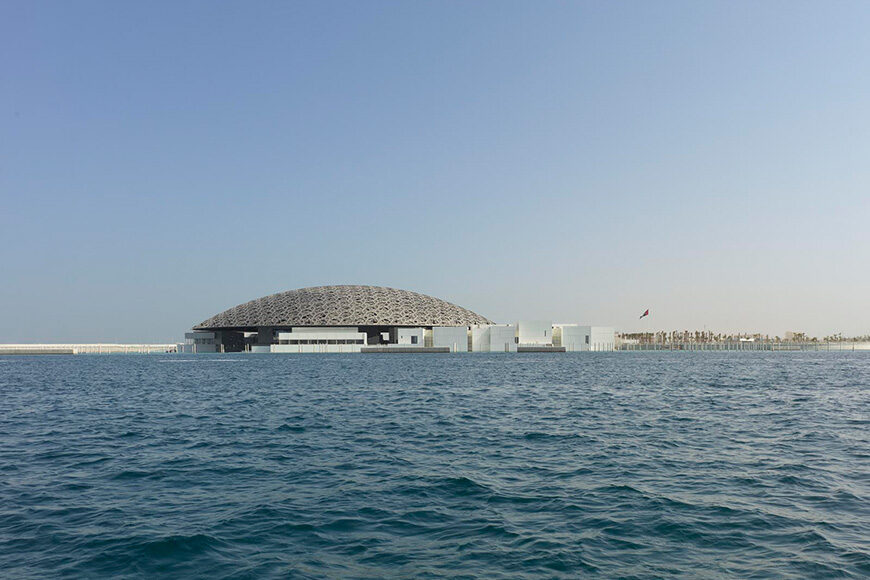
{"points": [[602, 338], [535, 333], [577, 337], [493, 338], [573, 337], [201, 342], [453, 337], [407, 336]]}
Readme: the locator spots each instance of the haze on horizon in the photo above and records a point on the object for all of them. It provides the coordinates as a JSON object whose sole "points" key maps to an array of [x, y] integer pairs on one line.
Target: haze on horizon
{"points": [[161, 162]]}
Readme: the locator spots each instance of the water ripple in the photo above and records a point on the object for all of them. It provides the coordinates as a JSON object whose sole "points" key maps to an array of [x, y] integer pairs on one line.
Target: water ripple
{"points": [[632, 465]]}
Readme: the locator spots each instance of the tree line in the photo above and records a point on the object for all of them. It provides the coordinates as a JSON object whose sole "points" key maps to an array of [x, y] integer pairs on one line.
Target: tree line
{"points": [[706, 336]]}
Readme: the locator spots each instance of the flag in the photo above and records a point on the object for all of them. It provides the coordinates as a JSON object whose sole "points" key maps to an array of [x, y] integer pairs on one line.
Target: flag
{"points": [[645, 313]]}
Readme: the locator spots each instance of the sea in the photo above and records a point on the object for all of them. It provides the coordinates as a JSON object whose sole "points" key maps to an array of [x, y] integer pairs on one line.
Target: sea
{"points": [[548, 465]]}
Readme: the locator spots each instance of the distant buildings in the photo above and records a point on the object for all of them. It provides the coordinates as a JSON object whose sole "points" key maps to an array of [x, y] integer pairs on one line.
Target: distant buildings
{"points": [[375, 319]]}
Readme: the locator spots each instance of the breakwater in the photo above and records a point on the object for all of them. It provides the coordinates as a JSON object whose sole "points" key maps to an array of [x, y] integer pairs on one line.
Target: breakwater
{"points": [[95, 348]]}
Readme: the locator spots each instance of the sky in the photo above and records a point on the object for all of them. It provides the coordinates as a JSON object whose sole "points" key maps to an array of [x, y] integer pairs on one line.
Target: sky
{"points": [[568, 161]]}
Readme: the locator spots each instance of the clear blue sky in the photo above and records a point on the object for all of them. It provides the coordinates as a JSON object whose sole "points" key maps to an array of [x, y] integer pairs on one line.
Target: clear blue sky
{"points": [[574, 161]]}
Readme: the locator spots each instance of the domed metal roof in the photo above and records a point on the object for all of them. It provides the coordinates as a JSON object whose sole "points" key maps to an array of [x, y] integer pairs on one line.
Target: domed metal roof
{"points": [[344, 306]]}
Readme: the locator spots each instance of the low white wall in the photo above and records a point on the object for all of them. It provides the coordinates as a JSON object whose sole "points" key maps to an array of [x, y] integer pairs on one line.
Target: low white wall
{"points": [[320, 339], [322, 333], [315, 348]]}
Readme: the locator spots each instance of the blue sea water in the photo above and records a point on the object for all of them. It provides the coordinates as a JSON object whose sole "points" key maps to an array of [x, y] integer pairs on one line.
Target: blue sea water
{"points": [[630, 465]]}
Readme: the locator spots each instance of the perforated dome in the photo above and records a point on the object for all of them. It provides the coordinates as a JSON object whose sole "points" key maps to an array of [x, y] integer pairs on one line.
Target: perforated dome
{"points": [[344, 306]]}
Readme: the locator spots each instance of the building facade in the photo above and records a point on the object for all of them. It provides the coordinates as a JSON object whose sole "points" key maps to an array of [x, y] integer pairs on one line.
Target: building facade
{"points": [[350, 319], [579, 338]]}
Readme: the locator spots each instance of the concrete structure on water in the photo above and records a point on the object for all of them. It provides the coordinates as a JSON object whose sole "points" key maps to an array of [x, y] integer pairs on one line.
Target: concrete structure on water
{"points": [[575, 337], [81, 348], [376, 319]]}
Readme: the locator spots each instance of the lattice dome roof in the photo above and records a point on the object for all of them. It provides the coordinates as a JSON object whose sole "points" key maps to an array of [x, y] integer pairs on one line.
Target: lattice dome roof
{"points": [[344, 306]]}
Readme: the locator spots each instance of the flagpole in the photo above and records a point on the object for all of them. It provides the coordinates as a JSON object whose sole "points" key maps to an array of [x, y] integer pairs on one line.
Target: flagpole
{"points": [[644, 325], [647, 328]]}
